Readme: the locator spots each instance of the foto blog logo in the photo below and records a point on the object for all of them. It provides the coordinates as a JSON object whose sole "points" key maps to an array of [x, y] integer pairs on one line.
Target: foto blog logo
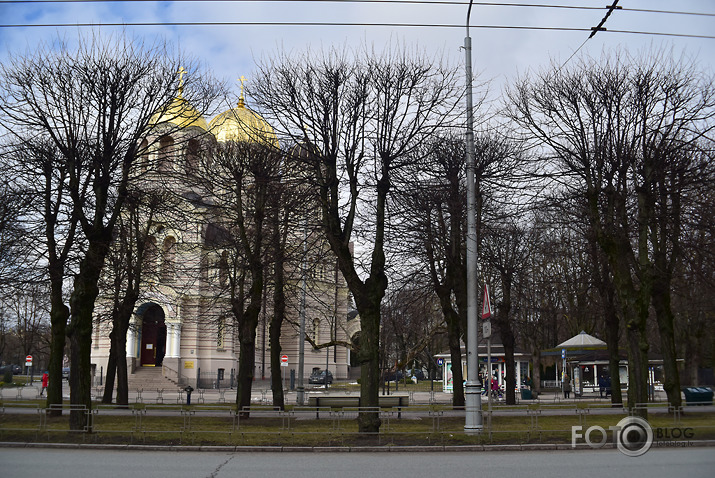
{"points": [[633, 436]]}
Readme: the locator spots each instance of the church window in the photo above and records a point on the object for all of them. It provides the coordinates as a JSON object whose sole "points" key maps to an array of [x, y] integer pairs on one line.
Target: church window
{"points": [[192, 158], [143, 156], [316, 330], [221, 333], [223, 269], [166, 147], [168, 251], [150, 255]]}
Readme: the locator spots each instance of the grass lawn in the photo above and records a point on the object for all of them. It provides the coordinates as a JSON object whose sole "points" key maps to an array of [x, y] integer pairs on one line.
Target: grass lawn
{"points": [[219, 425]]}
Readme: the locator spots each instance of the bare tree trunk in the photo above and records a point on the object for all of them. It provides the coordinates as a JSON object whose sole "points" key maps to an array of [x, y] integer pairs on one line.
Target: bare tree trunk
{"points": [[455, 352], [247, 325], [246, 363], [108, 394], [507, 338], [274, 330], [664, 316], [58, 318], [122, 373], [79, 332], [368, 358], [536, 372]]}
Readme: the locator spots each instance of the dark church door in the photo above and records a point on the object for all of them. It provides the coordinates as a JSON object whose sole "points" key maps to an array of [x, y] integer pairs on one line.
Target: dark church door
{"points": [[153, 345]]}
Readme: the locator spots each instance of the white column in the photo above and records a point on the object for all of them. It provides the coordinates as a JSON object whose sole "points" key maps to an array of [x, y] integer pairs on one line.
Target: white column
{"points": [[176, 340], [130, 342]]}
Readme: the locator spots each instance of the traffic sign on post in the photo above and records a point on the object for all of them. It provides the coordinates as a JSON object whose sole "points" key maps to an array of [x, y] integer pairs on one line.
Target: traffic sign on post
{"points": [[28, 361], [284, 360], [486, 304]]}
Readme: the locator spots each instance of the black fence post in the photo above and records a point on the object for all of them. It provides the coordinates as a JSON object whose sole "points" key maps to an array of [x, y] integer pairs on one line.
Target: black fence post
{"points": [[198, 378]]}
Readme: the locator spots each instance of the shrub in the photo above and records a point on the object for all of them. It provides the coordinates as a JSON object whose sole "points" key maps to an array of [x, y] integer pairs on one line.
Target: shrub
{"points": [[7, 376]]}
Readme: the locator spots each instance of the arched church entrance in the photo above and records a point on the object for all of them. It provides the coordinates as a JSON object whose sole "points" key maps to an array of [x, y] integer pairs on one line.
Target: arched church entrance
{"points": [[153, 344]]}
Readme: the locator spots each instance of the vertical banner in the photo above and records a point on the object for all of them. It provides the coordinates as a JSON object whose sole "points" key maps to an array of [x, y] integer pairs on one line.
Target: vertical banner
{"points": [[448, 378]]}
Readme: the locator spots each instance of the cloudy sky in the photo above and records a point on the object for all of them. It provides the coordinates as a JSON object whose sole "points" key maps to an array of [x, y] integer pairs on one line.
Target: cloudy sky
{"points": [[499, 53]]}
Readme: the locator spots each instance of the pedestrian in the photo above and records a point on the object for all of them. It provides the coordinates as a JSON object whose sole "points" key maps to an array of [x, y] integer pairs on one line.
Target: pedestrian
{"points": [[567, 385], [601, 385], [45, 381]]}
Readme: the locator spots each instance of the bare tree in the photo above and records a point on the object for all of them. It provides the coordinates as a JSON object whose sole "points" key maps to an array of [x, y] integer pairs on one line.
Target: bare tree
{"points": [[92, 106], [506, 248], [128, 270], [242, 176], [432, 223], [621, 132], [363, 117]]}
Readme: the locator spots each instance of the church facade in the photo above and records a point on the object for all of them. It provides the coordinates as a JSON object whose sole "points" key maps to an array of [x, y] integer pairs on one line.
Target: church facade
{"points": [[183, 320]]}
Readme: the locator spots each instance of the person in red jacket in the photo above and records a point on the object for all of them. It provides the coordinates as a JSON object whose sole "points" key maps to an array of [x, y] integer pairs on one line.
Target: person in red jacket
{"points": [[45, 381]]}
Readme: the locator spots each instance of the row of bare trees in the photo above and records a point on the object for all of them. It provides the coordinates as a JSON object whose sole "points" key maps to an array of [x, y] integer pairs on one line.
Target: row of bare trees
{"points": [[75, 118], [593, 200]]}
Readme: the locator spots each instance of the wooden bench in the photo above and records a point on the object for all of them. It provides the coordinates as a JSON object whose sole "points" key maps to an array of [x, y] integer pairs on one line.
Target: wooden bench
{"points": [[354, 401]]}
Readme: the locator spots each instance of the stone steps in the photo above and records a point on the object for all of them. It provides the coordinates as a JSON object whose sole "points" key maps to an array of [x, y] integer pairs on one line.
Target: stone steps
{"points": [[150, 378]]}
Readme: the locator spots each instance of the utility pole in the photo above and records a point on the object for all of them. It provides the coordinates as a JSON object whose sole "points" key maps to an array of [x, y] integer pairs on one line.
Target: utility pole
{"points": [[473, 389], [301, 338]]}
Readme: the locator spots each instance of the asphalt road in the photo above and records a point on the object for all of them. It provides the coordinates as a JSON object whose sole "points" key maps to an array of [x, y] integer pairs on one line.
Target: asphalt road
{"points": [[74, 463]]}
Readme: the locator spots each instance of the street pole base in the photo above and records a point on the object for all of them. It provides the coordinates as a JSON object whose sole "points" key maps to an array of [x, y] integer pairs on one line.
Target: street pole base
{"points": [[473, 430]]}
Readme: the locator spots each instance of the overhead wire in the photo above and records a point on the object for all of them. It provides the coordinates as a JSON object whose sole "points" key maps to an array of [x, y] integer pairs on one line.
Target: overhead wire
{"points": [[595, 30], [361, 24], [343, 24], [411, 2]]}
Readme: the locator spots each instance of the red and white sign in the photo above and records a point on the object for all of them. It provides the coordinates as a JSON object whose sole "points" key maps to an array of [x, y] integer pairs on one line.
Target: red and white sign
{"points": [[284, 360], [486, 304], [28, 361]]}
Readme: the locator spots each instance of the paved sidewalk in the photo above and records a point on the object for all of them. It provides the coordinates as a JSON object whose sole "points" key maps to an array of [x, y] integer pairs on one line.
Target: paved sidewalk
{"points": [[261, 394]]}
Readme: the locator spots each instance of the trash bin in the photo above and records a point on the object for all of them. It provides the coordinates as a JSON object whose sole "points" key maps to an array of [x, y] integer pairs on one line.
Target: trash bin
{"points": [[526, 394], [698, 395]]}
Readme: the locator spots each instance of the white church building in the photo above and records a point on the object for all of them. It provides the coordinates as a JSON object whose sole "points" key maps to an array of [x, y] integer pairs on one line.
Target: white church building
{"points": [[181, 321]]}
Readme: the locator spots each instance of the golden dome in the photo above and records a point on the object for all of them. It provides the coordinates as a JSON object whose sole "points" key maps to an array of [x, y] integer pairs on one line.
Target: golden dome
{"points": [[242, 124], [181, 113]]}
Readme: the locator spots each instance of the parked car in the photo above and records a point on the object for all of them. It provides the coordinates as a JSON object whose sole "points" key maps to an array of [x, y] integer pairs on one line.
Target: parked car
{"points": [[390, 376], [16, 369], [66, 373], [318, 377], [418, 373]]}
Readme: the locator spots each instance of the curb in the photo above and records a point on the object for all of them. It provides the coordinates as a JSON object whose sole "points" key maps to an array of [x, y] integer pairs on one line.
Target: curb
{"points": [[319, 449]]}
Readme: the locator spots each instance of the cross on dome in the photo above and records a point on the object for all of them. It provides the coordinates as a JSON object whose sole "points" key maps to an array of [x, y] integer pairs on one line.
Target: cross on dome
{"points": [[182, 71], [242, 79]]}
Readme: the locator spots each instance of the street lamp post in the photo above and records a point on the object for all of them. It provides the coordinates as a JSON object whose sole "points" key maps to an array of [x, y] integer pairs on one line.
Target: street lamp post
{"points": [[473, 389], [301, 339]]}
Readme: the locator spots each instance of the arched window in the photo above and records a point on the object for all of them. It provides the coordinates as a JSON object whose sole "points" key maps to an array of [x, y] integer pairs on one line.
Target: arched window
{"points": [[143, 157], [316, 331], [223, 269], [166, 149], [150, 254], [191, 161], [221, 333], [168, 252]]}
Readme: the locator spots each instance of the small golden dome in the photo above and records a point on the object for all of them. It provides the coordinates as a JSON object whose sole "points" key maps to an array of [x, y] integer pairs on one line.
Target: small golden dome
{"points": [[181, 113], [242, 124]]}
